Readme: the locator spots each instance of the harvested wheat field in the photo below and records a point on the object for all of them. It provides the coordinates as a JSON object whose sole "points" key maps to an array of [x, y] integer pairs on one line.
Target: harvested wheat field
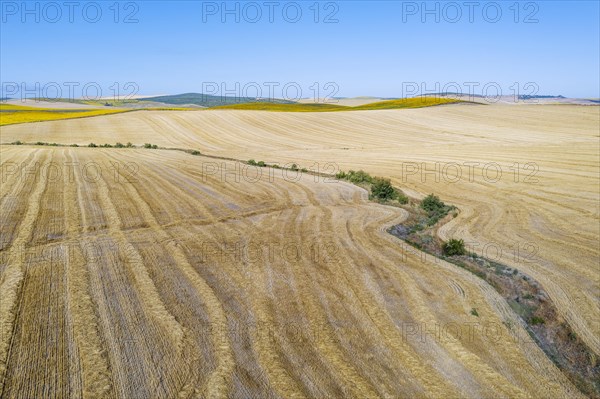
{"points": [[172, 282], [142, 273]]}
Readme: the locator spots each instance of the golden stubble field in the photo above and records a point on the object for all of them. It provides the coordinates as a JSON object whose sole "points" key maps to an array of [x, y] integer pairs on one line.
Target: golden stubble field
{"points": [[180, 282]]}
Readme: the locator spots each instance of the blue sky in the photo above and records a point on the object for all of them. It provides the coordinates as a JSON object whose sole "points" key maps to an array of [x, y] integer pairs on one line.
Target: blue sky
{"points": [[376, 48]]}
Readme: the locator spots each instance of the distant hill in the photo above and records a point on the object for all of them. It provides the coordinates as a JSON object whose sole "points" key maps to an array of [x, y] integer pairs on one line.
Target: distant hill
{"points": [[512, 99], [527, 97], [207, 100], [294, 107], [413, 102], [318, 107], [346, 101]]}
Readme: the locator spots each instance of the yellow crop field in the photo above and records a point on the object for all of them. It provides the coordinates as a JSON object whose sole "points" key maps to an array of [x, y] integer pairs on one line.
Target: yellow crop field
{"points": [[13, 114]]}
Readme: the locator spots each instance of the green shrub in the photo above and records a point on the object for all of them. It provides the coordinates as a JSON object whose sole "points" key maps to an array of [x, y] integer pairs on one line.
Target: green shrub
{"points": [[40, 143], [129, 145], [119, 145], [359, 177], [416, 228], [383, 189], [18, 142], [106, 146], [454, 247], [195, 152], [535, 320], [435, 209], [355, 177], [380, 188], [432, 204], [401, 197], [262, 164], [474, 312], [92, 145], [294, 167], [252, 162], [304, 170], [154, 146], [147, 145], [74, 145]]}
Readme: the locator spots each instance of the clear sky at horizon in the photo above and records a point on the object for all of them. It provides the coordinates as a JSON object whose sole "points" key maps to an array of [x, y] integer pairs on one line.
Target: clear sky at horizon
{"points": [[376, 48]]}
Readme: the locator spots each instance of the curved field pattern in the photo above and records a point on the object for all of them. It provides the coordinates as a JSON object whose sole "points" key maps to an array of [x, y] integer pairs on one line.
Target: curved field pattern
{"points": [[152, 273]]}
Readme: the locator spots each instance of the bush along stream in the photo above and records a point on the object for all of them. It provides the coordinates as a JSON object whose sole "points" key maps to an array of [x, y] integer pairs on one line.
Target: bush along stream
{"points": [[524, 294]]}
